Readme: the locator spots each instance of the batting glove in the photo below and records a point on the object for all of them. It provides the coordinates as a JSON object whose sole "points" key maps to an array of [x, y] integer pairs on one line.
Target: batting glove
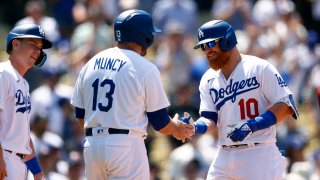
{"points": [[187, 118], [241, 131]]}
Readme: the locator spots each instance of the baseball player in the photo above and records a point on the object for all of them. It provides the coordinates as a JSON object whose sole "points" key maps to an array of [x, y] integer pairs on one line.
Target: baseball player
{"points": [[245, 97], [24, 46], [115, 96]]}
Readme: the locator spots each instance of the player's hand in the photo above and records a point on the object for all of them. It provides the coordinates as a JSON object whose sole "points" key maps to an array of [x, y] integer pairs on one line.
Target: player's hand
{"points": [[183, 130], [39, 176], [187, 118], [240, 132]]}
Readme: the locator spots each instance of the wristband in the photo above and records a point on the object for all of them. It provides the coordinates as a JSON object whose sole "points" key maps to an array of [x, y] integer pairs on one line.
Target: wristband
{"points": [[33, 165], [200, 127], [263, 121]]}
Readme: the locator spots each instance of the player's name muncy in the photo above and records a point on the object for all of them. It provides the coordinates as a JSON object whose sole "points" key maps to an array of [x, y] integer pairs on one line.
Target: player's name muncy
{"points": [[109, 64]]}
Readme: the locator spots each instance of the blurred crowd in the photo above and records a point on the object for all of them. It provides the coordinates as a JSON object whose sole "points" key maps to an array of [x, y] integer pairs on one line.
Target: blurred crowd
{"points": [[284, 32]]}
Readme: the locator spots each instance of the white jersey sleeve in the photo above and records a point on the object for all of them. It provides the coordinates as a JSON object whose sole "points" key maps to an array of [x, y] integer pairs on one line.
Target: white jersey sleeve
{"points": [[276, 90], [156, 97], [272, 84], [77, 96]]}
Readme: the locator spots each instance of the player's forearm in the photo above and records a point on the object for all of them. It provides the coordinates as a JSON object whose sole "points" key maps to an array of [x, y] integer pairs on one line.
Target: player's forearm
{"points": [[33, 154], [81, 123], [275, 114], [281, 111], [32, 163], [271, 117], [178, 129], [209, 123], [170, 128]]}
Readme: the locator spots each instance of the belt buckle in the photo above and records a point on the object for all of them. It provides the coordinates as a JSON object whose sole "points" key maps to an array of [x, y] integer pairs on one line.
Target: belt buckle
{"points": [[234, 146], [99, 131], [237, 145], [240, 145]]}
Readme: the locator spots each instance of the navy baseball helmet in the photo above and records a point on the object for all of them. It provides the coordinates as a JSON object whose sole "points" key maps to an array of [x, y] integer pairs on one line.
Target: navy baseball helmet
{"points": [[29, 31], [217, 29], [135, 26]]}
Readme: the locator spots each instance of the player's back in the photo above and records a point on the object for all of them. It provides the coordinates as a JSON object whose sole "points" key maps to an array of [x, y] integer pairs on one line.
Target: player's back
{"points": [[114, 83]]}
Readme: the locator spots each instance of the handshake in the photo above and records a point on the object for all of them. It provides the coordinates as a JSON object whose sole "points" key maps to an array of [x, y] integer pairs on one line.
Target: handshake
{"points": [[185, 127]]}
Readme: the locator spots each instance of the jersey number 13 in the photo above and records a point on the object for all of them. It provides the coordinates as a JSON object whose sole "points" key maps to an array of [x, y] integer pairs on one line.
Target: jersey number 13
{"points": [[108, 94]]}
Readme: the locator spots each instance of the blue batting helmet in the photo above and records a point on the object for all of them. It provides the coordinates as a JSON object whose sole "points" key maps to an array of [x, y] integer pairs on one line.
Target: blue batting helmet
{"points": [[135, 26], [217, 29], [29, 31]]}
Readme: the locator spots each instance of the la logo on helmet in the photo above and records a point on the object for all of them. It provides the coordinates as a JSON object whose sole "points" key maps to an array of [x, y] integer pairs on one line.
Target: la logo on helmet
{"points": [[41, 31], [200, 33]]}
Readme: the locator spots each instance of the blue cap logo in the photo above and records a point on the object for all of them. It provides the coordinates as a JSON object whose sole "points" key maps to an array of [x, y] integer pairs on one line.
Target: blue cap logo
{"points": [[41, 31], [200, 34]]}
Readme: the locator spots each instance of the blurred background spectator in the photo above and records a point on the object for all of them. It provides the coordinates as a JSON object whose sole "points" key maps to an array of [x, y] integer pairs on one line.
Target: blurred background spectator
{"points": [[34, 11], [284, 32]]}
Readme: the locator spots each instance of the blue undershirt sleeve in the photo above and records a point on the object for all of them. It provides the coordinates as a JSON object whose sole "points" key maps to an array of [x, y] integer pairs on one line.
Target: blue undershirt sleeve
{"points": [[210, 115], [80, 113], [158, 119]]}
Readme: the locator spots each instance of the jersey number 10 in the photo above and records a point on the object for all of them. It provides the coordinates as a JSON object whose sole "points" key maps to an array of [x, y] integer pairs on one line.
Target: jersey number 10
{"points": [[108, 95], [248, 108]]}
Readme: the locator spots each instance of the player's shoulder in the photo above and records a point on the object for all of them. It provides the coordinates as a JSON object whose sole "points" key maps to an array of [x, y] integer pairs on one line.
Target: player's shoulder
{"points": [[103, 53], [6, 68], [138, 62], [254, 60], [8, 72], [210, 74], [4, 65]]}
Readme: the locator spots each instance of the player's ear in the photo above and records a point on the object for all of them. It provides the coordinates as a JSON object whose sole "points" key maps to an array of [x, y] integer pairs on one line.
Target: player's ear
{"points": [[14, 44]]}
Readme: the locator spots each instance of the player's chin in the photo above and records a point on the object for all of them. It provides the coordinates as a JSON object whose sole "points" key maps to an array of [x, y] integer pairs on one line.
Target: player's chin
{"points": [[32, 61], [215, 66]]}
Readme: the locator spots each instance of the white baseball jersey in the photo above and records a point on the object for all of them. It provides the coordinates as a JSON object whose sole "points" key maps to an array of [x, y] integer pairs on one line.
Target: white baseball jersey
{"points": [[15, 109], [116, 88], [252, 87]]}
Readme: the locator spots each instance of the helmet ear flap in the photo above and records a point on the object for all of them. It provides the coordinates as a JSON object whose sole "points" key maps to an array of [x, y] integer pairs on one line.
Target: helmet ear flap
{"points": [[224, 43], [41, 60], [228, 41]]}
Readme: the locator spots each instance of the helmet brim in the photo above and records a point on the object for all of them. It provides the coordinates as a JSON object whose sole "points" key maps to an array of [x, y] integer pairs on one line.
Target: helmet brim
{"points": [[46, 44], [204, 41]]}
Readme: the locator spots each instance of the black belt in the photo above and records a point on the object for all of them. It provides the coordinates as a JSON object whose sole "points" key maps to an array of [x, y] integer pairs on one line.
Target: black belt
{"points": [[110, 131], [18, 154], [238, 145]]}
